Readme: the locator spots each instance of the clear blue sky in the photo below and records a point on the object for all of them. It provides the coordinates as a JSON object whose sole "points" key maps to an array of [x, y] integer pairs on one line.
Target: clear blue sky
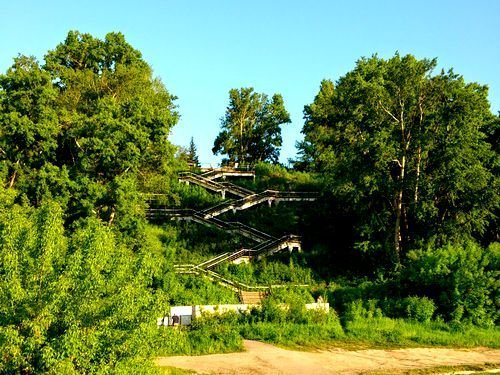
{"points": [[201, 49]]}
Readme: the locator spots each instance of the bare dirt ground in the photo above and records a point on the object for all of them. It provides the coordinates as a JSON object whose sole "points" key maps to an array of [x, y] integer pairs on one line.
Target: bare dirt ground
{"points": [[264, 359]]}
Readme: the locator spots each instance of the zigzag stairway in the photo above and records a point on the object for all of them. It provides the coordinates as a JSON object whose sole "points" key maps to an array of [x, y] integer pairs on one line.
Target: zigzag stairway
{"points": [[265, 244]]}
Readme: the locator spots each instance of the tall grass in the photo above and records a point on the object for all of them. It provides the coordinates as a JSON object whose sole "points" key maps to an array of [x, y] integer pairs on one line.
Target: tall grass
{"points": [[387, 332], [294, 335], [372, 333], [299, 328], [204, 337]]}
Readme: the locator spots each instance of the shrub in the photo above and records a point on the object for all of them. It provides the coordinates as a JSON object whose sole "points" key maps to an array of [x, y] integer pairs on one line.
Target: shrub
{"points": [[362, 310], [420, 309], [354, 311], [271, 311], [462, 278]]}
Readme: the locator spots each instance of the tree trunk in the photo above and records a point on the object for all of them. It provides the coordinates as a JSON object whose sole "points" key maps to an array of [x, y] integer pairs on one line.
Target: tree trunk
{"points": [[399, 210], [112, 216], [399, 197], [240, 159], [419, 149], [419, 160], [13, 177]]}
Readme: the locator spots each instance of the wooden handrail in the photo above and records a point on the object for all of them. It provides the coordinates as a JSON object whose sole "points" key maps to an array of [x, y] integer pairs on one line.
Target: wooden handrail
{"points": [[240, 285]]}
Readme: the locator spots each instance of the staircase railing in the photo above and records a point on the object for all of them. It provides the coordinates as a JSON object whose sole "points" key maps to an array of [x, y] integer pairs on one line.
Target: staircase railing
{"points": [[266, 246], [254, 199], [255, 234], [232, 226], [253, 252], [232, 188], [200, 180], [210, 184], [214, 261], [233, 284], [214, 173]]}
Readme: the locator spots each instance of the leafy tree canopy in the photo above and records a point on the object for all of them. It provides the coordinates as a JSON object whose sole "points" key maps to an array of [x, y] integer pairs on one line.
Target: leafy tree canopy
{"points": [[251, 127], [73, 128], [405, 150]]}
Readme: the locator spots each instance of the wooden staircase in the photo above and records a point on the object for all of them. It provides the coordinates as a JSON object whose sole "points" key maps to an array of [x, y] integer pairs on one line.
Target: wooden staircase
{"points": [[266, 244], [252, 298], [208, 182]]}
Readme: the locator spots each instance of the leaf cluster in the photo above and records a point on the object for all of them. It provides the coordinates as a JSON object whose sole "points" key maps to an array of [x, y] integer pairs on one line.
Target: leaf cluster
{"points": [[251, 129]]}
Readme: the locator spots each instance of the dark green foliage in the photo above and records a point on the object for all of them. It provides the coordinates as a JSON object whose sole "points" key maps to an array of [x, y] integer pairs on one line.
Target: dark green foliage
{"points": [[403, 151], [28, 118], [75, 129]]}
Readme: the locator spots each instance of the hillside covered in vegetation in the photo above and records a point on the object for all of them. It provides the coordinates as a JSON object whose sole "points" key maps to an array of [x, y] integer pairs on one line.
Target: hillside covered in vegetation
{"points": [[401, 237]]}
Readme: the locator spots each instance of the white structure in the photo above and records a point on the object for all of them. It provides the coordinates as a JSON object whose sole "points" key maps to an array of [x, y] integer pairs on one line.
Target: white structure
{"points": [[187, 313]]}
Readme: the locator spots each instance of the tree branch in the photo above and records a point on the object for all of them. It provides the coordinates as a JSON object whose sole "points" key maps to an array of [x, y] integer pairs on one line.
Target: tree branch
{"points": [[387, 111], [78, 144]]}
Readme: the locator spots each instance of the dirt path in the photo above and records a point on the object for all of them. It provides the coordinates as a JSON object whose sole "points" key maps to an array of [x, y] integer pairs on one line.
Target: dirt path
{"points": [[264, 359]]}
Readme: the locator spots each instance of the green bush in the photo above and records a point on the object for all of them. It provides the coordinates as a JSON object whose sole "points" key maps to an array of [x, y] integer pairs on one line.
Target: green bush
{"points": [[341, 296], [272, 176], [358, 309], [462, 279], [272, 311], [420, 309]]}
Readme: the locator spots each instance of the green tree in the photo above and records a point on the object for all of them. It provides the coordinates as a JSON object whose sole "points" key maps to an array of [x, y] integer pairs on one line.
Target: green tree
{"points": [[316, 116], [29, 124], [251, 127], [92, 115], [71, 304], [193, 154], [492, 131], [404, 149]]}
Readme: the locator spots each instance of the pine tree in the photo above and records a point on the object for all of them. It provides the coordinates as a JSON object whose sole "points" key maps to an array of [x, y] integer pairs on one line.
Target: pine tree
{"points": [[193, 154]]}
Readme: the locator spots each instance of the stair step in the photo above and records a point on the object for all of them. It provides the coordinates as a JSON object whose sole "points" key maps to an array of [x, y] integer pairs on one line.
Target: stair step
{"points": [[252, 298]]}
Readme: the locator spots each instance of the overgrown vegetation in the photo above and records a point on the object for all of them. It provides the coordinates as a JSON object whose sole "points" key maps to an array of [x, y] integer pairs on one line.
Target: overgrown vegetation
{"points": [[403, 241], [267, 272]]}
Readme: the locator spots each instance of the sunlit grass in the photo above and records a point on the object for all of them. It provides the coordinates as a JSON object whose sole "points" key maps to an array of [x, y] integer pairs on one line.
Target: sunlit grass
{"points": [[388, 332]]}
